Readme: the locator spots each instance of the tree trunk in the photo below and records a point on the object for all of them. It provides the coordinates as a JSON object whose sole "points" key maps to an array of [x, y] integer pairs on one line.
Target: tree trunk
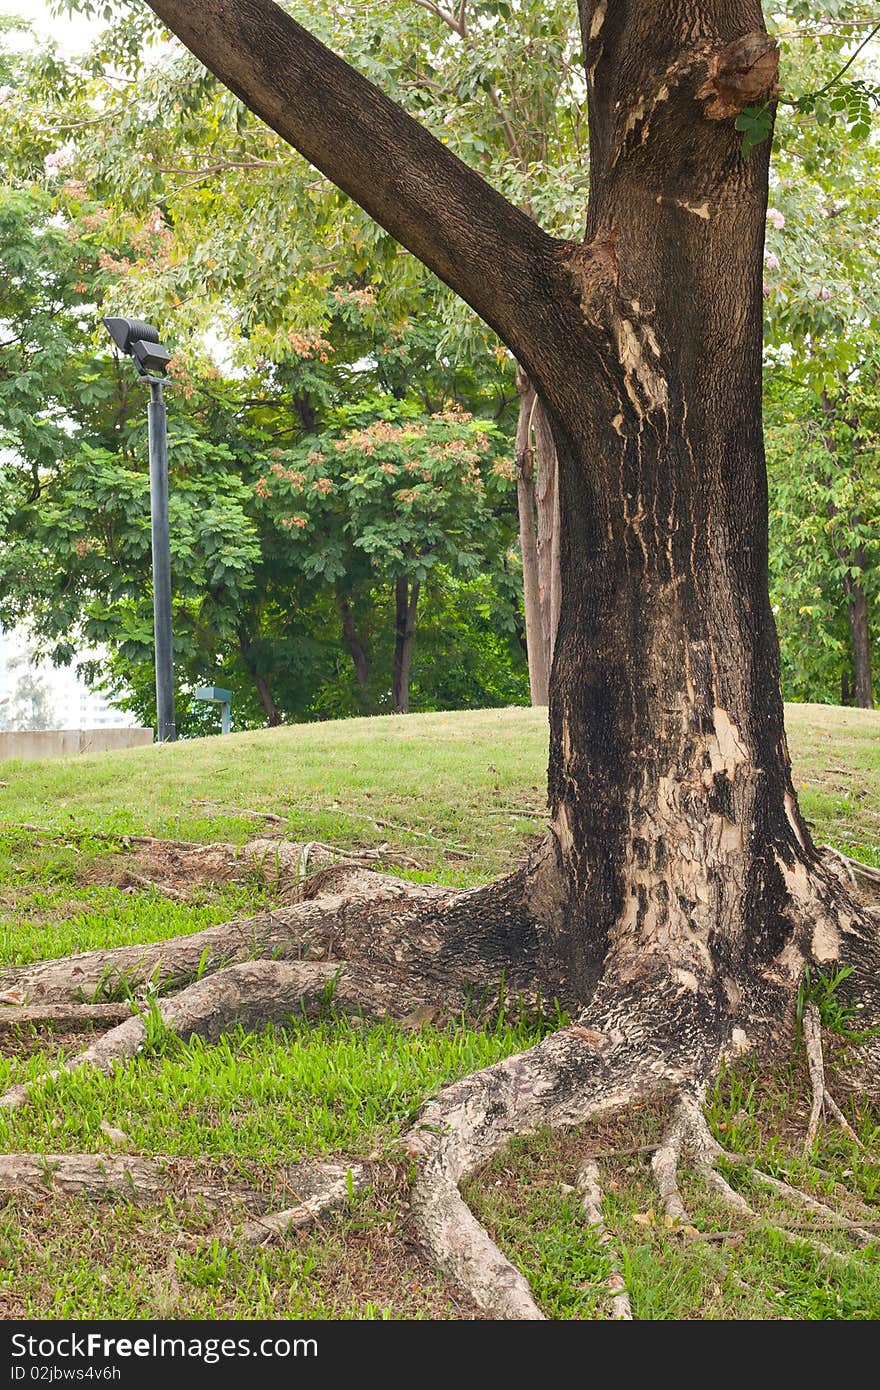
{"points": [[536, 647], [547, 497], [261, 685], [406, 598], [673, 809], [353, 644], [273, 718], [857, 613]]}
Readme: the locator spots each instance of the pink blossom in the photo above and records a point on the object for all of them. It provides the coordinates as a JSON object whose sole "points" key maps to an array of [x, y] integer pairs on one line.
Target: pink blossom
{"points": [[823, 293], [766, 290], [771, 260], [776, 217]]}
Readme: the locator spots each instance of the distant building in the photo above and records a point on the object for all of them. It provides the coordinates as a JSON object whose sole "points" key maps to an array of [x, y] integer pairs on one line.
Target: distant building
{"points": [[71, 703]]}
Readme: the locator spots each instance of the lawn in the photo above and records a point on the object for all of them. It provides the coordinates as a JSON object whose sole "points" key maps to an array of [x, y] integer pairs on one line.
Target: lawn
{"points": [[461, 797]]}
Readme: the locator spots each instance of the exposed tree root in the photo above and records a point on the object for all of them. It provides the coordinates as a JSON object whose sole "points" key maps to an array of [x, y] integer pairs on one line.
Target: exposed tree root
{"points": [[314, 928], [320, 1188], [692, 1135], [664, 1164], [835, 1111], [249, 995], [589, 1186], [822, 1097], [69, 1016], [854, 867], [812, 1026], [572, 1076], [96, 1176]]}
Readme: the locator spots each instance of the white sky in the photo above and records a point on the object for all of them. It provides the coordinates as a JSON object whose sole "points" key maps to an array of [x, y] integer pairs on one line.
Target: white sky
{"points": [[72, 33]]}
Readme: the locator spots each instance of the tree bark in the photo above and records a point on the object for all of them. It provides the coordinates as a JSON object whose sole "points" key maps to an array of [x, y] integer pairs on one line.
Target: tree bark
{"points": [[536, 647], [353, 644], [857, 614], [406, 598], [261, 685], [547, 498]]}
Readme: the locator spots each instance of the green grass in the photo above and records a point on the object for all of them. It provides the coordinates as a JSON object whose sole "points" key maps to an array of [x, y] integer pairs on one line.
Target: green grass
{"points": [[462, 796], [266, 1098]]}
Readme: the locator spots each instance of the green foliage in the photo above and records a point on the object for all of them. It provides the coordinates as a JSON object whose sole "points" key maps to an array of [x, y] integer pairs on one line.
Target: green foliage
{"points": [[755, 122], [824, 529]]}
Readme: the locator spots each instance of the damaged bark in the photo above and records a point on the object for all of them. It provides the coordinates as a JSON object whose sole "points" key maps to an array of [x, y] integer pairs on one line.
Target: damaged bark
{"points": [[524, 456]]}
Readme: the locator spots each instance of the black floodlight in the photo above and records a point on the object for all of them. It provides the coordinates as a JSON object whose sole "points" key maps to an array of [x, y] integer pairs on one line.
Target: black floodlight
{"points": [[141, 341], [151, 359]]}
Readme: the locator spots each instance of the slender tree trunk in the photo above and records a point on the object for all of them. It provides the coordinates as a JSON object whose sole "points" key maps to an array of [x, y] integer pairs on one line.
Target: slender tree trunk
{"points": [[353, 644], [273, 718], [857, 613], [536, 646], [261, 685], [406, 598], [549, 523]]}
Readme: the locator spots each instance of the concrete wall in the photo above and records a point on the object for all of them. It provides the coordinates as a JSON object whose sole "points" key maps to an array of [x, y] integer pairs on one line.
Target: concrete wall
{"points": [[62, 743]]}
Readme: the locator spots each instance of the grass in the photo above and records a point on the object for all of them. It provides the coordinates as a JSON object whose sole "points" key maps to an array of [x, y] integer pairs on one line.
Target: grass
{"points": [[462, 795]]}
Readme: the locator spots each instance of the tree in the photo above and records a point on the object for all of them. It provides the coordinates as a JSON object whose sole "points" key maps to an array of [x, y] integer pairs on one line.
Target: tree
{"points": [[824, 529], [251, 608], [29, 706], [390, 495], [822, 313], [678, 899]]}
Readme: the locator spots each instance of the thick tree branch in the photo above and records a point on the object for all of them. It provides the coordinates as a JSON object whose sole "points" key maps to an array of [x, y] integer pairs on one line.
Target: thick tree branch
{"points": [[485, 249]]}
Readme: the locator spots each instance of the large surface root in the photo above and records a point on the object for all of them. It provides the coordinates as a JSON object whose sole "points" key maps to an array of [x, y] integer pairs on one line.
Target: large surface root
{"points": [[312, 929], [317, 1188], [574, 1075], [248, 996]]}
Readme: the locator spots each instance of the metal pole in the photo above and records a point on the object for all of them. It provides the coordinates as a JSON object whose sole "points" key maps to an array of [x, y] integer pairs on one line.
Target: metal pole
{"points": [[165, 730]]}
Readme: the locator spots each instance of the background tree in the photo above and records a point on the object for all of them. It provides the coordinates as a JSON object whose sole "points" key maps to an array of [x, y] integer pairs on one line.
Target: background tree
{"points": [[264, 278], [76, 564], [824, 484], [822, 309]]}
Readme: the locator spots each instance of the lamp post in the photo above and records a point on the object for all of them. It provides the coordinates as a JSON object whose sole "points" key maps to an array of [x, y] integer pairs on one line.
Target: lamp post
{"points": [[141, 342]]}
